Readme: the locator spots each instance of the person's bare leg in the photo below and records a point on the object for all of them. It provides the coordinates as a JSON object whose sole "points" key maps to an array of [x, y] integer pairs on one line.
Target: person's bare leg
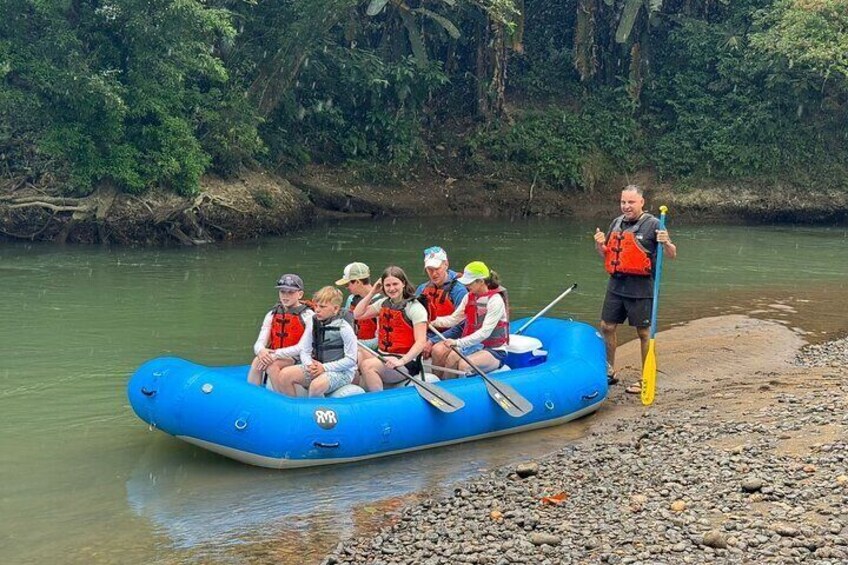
{"points": [[484, 361], [608, 331], [370, 374], [319, 385], [439, 356], [278, 365], [285, 379], [644, 341], [254, 375], [454, 361]]}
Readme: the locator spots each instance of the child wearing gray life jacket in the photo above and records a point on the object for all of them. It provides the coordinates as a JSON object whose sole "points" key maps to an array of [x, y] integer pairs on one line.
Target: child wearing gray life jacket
{"points": [[329, 354]]}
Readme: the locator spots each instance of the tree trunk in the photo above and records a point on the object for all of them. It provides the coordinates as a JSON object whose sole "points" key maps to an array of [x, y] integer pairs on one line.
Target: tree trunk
{"points": [[499, 59], [481, 37]]}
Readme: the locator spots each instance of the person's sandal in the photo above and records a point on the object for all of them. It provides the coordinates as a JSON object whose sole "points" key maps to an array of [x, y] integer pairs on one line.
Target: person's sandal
{"points": [[635, 388], [612, 375]]}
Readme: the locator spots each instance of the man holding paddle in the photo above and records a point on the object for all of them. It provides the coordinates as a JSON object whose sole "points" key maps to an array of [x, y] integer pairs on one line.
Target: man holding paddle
{"points": [[629, 249]]}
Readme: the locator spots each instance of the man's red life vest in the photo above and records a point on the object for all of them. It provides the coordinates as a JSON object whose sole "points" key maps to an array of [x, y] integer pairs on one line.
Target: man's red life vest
{"points": [[624, 254], [365, 329], [437, 300], [287, 326], [395, 334], [475, 313]]}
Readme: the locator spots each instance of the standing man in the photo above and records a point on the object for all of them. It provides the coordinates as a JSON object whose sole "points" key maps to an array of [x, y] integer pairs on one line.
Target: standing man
{"points": [[441, 294], [629, 250]]}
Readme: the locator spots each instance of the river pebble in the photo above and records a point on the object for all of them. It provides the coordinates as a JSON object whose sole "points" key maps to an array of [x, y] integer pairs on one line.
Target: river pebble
{"points": [[674, 486]]}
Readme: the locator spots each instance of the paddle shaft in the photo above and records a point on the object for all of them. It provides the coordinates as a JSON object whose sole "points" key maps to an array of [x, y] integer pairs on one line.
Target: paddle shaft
{"points": [[657, 275], [649, 366], [545, 309], [449, 370]]}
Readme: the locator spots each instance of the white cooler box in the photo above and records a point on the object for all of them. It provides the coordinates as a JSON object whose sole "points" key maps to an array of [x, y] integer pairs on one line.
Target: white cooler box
{"points": [[524, 351]]}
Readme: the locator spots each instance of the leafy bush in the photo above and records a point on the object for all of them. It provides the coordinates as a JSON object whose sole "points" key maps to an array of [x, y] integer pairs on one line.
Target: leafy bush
{"points": [[719, 108], [365, 109], [565, 148], [121, 92]]}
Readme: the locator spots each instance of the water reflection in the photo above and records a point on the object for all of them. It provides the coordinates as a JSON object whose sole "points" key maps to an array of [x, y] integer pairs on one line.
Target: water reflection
{"points": [[201, 500]]}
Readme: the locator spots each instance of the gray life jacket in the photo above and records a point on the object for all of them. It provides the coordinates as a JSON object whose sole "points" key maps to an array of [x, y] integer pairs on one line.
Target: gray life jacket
{"points": [[327, 343]]}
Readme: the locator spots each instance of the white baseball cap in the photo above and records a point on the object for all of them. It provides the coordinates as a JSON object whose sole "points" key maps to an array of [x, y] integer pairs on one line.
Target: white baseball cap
{"points": [[434, 257]]}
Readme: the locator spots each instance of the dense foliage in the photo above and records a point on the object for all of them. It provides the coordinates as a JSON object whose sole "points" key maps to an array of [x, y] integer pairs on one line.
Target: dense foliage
{"points": [[149, 93]]}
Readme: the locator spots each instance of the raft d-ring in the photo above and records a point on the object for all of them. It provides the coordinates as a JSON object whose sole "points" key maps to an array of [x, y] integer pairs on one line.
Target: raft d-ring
{"points": [[241, 424], [592, 396], [549, 404], [148, 393]]}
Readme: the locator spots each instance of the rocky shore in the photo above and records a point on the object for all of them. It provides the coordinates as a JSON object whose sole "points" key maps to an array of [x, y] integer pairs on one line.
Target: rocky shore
{"points": [[743, 458]]}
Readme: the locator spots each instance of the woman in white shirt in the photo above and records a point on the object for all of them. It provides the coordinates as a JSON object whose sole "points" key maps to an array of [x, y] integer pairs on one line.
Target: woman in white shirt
{"points": [[485, 310]]}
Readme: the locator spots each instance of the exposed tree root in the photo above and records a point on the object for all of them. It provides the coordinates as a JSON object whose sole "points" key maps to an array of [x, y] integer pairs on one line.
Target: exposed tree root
{"points": [[257, 204]]}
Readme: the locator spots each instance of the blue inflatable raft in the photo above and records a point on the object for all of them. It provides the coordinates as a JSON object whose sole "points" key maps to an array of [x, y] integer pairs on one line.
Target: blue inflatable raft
{"points": [[215, 407]]}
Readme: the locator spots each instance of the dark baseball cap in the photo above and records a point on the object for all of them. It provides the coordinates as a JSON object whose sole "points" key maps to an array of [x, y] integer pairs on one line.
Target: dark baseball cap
{"points": [[290, 282]]}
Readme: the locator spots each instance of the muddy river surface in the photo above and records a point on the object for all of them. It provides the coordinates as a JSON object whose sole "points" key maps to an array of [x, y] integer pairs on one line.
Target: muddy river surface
{"points": [[84, 481]]}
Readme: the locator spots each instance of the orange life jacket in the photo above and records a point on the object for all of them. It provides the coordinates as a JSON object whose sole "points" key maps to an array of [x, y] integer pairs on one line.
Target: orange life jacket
{"points": [[624, 254], [395, 334], [475, 313], [287, 326], [365, 329], [437, 300]]}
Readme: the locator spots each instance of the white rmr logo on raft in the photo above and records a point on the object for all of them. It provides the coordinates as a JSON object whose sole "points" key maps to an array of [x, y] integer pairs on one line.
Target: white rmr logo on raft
{"points": [[326, 418]]}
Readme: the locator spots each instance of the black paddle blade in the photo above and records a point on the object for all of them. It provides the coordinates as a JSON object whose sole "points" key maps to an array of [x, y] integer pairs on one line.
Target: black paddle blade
{"points": [[437, 396], [507, 398]]}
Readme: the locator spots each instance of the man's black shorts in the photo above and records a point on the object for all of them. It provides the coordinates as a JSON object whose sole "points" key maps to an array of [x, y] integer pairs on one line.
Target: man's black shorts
{"points": [[619, 308]]}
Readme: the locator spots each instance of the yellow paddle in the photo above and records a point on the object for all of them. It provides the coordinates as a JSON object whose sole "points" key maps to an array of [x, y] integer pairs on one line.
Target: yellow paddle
{"points": [[649, 367]]}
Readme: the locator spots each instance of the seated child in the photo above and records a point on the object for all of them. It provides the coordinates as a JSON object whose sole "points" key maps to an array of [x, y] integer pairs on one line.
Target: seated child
{"points": [[329, 354], [284, 331], [357, 278]]}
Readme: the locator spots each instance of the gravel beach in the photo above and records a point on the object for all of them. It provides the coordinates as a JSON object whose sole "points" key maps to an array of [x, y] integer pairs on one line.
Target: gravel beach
{"points": [[743, 458]]}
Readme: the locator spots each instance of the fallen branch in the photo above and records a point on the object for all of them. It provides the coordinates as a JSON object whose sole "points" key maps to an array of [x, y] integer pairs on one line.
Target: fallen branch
{"points": [[50, 199], [49, 206]]}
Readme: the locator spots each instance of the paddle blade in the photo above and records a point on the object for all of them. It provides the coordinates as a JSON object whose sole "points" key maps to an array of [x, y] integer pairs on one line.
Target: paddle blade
{"points": [[437, 396], [649, 375], [507, 398]]}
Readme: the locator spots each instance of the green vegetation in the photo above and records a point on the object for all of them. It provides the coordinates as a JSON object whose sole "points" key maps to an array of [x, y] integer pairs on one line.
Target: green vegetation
{"points": [[568, 92]]}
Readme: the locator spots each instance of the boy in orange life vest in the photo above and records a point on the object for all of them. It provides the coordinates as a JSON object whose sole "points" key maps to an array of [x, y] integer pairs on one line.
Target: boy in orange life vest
{"points": [[440, 294], [485, 335], [629, 249], [357, 279], [328, 358], [401, 330], [283, 331]]}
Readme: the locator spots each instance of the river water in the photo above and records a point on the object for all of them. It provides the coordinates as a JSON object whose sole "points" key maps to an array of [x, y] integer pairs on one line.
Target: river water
{"points": [[84, 481]]}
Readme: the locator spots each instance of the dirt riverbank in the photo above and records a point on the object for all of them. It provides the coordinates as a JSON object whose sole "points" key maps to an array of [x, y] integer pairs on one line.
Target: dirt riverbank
{"points": [[743, 458], [259, 203]]}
